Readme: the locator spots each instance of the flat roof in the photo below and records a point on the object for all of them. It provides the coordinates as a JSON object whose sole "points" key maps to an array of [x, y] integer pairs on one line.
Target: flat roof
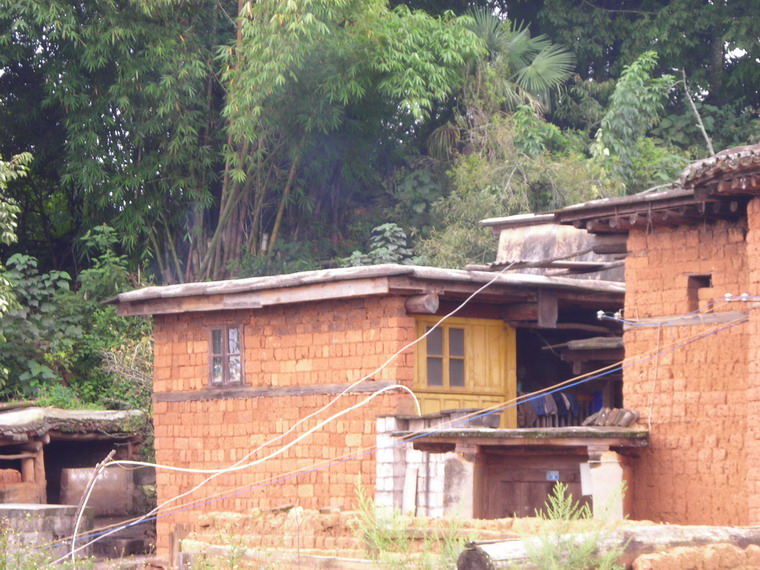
{"points": [[317, 285], [17, 424], [572, 436]]}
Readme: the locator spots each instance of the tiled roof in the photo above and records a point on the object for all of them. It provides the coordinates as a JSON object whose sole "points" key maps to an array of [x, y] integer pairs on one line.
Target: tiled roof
{"points": [[726, 163]]}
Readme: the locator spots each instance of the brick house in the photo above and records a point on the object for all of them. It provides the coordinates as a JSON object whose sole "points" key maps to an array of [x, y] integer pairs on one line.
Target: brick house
{"points": [[686, 248], [239, 362]]}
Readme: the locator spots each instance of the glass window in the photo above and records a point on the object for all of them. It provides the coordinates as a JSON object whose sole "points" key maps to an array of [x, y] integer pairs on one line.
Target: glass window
{"points": [[445, 356], [456, 372], [435, 371], [456, 342], [225, 356], [435, 341]]}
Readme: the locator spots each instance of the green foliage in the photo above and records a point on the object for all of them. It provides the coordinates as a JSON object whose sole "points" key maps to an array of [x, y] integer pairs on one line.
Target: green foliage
{"points": [[126, 92], [387, 244], [635, 108], [56, 337], [108, 273], [716, 42], [654, 163], [415, 194], [16, 168], [517, 68], [727, 125], [60, 396], [563, 543], [201, 130], [312, 87], [130, 369], [515, 164], [287, 257], [583, 104], [38, 330], [9, 171], [389, 538], [534, 135]]}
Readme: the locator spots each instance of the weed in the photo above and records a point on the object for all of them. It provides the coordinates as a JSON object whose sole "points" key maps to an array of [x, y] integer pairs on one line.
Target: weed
{"points": [[389, 538], [569, 539]]}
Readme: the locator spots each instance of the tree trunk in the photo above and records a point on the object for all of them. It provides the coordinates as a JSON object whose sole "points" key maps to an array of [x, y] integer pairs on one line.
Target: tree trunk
{"points": [[637, 541], [281, 207], [717, 63]]}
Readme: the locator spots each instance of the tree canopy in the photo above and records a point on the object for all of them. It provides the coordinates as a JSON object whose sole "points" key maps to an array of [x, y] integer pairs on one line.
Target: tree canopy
{"points": [[174, 141], [224, 138]]}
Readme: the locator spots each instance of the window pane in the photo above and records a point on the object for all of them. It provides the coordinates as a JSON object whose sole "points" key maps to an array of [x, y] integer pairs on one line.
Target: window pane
{"points": [[234, 370], [216, 370], [234, 341], [456, 342], [456, 372], [435, 342], [435, 371], [216, 341]]}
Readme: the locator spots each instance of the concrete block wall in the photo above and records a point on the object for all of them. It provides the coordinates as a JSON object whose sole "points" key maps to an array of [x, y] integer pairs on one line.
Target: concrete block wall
{"points": [[329, 342], [694, 397], [399, 465], [391, 460]]}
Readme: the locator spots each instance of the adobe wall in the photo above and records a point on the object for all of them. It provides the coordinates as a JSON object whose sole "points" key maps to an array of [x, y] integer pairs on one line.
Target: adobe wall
{"points": [[752, 450], [692, 397], [286, 347]]}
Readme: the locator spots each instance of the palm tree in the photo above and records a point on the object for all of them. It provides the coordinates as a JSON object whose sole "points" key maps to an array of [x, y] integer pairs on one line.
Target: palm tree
{"points": [[519, 68], [513, 69]]}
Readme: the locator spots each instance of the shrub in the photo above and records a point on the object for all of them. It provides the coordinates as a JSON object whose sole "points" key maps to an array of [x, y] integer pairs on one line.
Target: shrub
{"points": [[563, 543]]}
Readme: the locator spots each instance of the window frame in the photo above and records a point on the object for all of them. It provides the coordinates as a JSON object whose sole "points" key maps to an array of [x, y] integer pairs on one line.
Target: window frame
{"points": [[225, 355], [490, 364], [446, 357]]}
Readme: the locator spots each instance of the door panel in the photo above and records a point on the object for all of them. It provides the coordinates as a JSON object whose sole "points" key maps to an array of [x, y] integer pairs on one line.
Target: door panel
{"points": [[520, 486]]}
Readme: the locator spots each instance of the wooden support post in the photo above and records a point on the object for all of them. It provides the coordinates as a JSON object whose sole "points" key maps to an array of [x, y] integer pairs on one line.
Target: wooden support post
{"points": [[39, 472], [27, 469], [548, 309]]}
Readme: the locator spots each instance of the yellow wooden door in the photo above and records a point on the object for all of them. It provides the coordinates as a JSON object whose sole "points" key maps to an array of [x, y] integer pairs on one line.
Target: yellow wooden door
{"points": [[466, 363]]}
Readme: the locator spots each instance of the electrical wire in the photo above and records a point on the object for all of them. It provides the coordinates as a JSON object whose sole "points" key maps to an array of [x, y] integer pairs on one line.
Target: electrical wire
{"points": [[555, 388], [415, 435], [727, 298], [239, 465], [350, 387], [235, 467]]}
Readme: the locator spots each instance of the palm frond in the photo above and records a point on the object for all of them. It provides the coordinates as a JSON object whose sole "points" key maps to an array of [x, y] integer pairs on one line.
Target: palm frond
{"points": [[550, 68], [490, 29], [518, 48], [443, 141]]}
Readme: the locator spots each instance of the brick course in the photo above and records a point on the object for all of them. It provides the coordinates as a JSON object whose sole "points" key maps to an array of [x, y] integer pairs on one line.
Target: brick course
{"points": [[696, 398], [329, 342]]}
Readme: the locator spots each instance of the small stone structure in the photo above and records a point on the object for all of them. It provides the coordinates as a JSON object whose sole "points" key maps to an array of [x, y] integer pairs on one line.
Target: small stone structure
{"points": [[48, 527], [47, 455]]}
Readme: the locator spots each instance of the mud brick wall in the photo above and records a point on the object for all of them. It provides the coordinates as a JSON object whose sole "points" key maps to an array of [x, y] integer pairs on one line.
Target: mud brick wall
{"points": [[694, 397], [303, 345], [752, 450]]}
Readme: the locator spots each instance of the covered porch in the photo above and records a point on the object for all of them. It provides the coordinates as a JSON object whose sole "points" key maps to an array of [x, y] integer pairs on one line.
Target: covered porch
{"points": [[487, 473]]}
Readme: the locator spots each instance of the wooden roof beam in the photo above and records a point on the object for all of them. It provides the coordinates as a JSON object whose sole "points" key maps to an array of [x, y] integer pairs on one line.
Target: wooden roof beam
{"points": [[610, 243]]}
